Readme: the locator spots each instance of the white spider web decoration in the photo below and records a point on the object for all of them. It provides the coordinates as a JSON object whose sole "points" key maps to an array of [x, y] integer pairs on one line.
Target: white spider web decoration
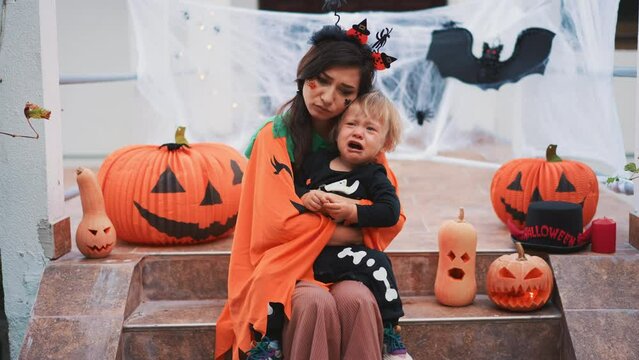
{"points": [[222, 71]]}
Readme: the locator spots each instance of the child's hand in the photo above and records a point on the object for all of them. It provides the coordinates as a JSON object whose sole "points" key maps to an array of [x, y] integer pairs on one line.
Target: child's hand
{"points": [[313, 200], [341, 212], [334, 198]]}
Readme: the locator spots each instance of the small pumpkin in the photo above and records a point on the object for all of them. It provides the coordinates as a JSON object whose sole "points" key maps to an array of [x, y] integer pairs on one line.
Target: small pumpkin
{"points": [[519, 182], [455, 283], [519, 282], [95, 236], [176, 193]]}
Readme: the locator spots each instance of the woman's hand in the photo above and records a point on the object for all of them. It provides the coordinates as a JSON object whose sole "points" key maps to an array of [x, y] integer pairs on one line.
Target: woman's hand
{"points": [[345, 235]]}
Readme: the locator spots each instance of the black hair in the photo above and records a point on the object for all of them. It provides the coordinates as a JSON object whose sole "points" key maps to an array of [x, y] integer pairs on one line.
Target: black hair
{"points": [[331, 47]]}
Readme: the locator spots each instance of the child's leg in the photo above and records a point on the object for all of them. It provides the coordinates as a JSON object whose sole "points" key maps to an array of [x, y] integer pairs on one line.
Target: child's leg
{"points": [[371, 267]]}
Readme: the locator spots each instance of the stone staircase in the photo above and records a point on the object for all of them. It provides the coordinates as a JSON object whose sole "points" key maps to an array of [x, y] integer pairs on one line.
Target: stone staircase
{"points": [[162, 302], [180, 296]]}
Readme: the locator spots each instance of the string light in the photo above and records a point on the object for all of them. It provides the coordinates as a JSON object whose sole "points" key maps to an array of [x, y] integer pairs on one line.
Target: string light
{"points": [[234, 105], [202, 27], [209, 46]]}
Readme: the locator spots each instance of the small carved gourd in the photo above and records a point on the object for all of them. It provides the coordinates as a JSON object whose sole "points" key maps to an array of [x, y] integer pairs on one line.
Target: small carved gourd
{"points": [[455, 283], [95, 236], [519, 282]]}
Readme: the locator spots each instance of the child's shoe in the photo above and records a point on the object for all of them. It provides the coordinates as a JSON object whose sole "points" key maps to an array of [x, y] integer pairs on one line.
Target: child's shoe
{"points": [[394, 348], [266, 349]]}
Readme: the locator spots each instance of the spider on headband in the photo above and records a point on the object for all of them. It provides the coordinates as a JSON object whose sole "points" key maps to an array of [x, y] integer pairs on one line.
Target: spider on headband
{"points": [[360, 32]]}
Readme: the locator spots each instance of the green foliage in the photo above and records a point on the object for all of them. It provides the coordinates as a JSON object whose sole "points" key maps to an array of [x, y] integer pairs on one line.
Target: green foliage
{"points": [[630, 167]]}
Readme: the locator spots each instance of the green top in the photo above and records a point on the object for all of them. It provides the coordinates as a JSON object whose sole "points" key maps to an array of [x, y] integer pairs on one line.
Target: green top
{"points": [[280, 130]]}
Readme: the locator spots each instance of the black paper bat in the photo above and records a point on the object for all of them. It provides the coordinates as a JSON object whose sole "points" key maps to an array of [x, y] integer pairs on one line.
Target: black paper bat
{"points": [[451, 51]]}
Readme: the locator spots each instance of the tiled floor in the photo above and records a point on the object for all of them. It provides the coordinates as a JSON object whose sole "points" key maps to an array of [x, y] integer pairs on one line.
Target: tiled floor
{"points": [[430, 192]]}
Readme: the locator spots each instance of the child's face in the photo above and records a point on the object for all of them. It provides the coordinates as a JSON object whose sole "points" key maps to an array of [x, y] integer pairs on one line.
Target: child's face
{"points": [[359, 137]]}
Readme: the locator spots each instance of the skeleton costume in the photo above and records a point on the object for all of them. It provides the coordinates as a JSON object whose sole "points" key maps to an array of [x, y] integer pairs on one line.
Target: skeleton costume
{"points": [[369, 266]]}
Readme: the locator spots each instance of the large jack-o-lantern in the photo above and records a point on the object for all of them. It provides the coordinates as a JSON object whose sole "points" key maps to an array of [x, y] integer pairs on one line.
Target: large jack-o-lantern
{"points": [[455, 283], [521, 181], [173, 194], [95, 235], [519, 282]]}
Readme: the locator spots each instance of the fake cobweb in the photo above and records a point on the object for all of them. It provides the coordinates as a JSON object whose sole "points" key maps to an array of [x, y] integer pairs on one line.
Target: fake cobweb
{"points": [[222, 71]]}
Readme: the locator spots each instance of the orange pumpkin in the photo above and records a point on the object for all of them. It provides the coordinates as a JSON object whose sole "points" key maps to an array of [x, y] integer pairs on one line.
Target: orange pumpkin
{"points": [[173, 194], [521, 181], [95, 236], [519, 282], [455, 283]]}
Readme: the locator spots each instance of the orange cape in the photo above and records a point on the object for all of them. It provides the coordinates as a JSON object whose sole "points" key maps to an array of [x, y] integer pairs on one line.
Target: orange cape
{"points": [[274, 244]]}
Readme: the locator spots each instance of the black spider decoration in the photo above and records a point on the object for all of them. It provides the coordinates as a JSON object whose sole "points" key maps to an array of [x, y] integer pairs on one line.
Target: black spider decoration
{"points": [[423, 115], [381, 37]]}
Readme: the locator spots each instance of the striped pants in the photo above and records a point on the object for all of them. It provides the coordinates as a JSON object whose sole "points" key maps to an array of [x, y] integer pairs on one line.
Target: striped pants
{"points": [[342, 324]]}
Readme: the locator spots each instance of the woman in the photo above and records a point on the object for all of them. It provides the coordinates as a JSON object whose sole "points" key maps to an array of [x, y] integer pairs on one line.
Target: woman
{"points": [[276, 241]]}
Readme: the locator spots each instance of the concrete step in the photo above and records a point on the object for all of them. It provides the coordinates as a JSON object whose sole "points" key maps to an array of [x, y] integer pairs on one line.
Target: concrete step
{"points": [[190, 276], [185, 329]]}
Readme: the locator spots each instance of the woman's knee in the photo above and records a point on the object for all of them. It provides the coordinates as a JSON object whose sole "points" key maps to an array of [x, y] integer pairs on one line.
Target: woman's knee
{"points": [[348, 293], [309, 297]]}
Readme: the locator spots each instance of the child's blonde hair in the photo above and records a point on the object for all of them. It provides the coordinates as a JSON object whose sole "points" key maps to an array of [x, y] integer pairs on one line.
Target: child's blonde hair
{"points": [[377, 106]]}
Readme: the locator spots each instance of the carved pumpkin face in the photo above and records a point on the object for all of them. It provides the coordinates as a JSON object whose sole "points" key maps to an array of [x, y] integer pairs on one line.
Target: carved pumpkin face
{"points": [[455, 283], [95, 236], [519, 282], [174, 194], [521, 181]]}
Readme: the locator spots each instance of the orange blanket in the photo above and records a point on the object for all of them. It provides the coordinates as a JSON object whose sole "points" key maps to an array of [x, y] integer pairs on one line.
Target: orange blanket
{"points": [[275, 244]]}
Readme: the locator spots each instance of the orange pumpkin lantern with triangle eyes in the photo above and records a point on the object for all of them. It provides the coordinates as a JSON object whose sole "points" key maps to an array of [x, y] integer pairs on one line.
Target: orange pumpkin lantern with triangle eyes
{"points": [[519, 182], [455, 283], [519, 282], [177, 193], [95, 236]]}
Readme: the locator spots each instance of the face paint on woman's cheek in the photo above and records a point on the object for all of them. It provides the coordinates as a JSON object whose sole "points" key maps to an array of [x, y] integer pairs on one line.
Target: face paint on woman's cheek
{"points": [[311, 84], [347, 102]]}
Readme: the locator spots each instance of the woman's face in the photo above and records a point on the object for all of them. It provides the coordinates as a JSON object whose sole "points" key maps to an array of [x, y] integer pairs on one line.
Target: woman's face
{"points": [[328, 95]]}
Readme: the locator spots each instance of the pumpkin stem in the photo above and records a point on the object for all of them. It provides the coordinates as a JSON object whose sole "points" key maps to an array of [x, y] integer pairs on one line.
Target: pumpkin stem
{"points": [[180, 140], [521, 256], [551, 153], [461, 215]]}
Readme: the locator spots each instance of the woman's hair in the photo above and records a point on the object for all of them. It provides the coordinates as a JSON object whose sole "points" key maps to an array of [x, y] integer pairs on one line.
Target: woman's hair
{"points": [[331, 47], [377, 106]]}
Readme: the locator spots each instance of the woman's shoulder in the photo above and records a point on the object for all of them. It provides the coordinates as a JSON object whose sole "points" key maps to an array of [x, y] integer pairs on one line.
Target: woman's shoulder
{"points": [[274, 127]]}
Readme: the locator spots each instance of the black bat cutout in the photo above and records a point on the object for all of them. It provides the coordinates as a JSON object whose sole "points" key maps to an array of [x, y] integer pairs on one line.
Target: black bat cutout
{"points": [[278, 166], [451, 51]]}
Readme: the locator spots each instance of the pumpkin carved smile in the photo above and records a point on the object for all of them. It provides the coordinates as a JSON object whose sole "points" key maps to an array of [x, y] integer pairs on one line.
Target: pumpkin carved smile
{"points": [[100, 248], [179, 229]]}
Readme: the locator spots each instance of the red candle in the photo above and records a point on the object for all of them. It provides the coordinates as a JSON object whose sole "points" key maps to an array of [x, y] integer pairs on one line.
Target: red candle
{"points": [[604, 234]]}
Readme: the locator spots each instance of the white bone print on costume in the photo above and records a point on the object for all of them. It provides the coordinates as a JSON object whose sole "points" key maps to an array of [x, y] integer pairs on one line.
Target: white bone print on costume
{"points": [[357, 256], [382, 275], [342, 187], [370, 262]]}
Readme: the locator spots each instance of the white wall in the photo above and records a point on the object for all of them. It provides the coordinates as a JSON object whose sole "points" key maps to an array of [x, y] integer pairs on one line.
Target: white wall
{"points": [[96, 36], [31, 191]]}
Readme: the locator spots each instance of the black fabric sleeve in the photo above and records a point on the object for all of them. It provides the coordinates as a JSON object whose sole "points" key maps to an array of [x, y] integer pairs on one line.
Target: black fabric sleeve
{"points": [[311, 163], [384, 212], [299, 178]]}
